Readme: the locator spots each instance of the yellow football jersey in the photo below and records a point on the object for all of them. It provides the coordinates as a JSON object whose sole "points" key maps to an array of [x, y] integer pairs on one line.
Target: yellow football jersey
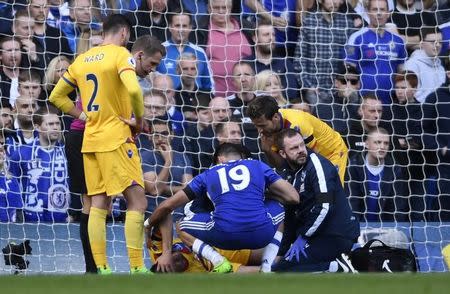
{"points": [[105, 99], [317, 134]]}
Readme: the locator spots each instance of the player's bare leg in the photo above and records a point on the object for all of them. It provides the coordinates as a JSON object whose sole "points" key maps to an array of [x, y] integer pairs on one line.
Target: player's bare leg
{"points": [[220, 263], [97, 231], [134, 227]]}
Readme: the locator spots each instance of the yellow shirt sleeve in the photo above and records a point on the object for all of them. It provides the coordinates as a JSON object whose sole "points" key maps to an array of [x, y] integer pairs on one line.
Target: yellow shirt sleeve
{"points": [[126, 69], [60, 94]]}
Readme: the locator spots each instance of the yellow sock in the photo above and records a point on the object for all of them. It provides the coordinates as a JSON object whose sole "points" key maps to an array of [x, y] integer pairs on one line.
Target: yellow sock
{"points": [[97, 235], [134, 235], [446, 255]]}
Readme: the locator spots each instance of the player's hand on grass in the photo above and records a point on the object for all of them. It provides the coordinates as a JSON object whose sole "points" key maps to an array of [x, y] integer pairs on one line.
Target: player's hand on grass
{"points": [[164, 263], [296, 248]]}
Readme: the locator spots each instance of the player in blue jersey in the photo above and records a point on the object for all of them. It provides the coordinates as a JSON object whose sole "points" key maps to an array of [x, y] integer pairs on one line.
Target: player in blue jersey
{"points": [[240, 219], [376, 52], [10, 196], [41, 168], [322, 227]]}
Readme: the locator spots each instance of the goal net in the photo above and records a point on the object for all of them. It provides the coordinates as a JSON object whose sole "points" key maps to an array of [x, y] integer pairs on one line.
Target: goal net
{"points": [[374, 71]]}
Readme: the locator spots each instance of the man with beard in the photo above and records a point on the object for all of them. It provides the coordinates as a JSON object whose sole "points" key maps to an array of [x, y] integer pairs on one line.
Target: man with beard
{"points": [[321, 229], [264, 58]]}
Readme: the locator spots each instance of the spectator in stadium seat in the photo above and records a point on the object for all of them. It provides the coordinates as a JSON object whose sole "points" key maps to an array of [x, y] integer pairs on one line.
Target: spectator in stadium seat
{"points": [[185, 94], [164, 84], [425, 63], [285, 15], [228, 132], [436, 138], [376, 52], [51, 39], [7, 134], [11, 60], [377, 186], [30, 85], [166, 171], [369, 118], [55, 69], [409, 20], [58, 13], [345, 99], [199, 138], [220, 110], [269, 83], [322, 227], [180, 26], [227, 40], [7, 10], [149, 19], [24, 109], [265, 58], [155, 105], [42, 170], [81, 20], [10, 193], [33, 52], [321, 39], [407, 141], [245, 83]]}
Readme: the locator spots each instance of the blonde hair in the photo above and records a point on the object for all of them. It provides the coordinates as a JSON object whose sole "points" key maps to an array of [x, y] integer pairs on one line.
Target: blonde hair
{"points": [[84, 42], [261, 80], [49, 77]]}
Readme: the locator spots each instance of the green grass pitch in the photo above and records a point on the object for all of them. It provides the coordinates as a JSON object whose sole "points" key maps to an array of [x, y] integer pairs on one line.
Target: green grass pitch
{"points": [[209, 284]]}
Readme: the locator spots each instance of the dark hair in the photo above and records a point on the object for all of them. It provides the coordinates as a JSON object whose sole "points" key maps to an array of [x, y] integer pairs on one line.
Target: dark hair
{"points": [[426, 30], [149, 45], [264, 105], [176, 12], [38, 116], [202, 100], [8, 39], [114, 23], [285, 133], [26, 75], [343, 69], [226, 149], [408, 76], [243, 62]]}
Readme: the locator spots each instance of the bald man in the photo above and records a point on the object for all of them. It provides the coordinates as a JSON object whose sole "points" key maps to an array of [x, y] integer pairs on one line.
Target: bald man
{"points": [[220, 109]]}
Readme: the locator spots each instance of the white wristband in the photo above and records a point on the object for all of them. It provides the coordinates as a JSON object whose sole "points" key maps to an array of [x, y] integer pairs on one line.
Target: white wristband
{"points": [[83, 116]]}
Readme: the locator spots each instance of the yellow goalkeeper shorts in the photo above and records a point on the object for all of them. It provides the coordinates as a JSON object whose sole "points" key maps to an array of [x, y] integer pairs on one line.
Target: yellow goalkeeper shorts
{"points": [[113, 171]]}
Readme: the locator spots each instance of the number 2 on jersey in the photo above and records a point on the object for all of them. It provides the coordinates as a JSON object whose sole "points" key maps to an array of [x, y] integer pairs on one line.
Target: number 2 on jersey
{"points": [[91, 106], [239, 176]]}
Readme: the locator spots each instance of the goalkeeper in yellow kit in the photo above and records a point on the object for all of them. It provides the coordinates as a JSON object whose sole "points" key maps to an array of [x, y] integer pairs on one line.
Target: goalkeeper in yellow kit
{"points": [[106, 80]]}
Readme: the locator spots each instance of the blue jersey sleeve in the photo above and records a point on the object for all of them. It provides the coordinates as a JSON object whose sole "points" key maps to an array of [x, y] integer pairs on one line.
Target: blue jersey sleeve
{"points": [[269, 175], [352, 50], [148, 161], [198, 185]]}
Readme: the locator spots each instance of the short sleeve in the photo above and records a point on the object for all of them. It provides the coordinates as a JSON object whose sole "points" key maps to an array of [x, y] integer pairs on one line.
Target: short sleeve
{"points": [[198, 184], [270, 176], [352, 50], [125, 61]]}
